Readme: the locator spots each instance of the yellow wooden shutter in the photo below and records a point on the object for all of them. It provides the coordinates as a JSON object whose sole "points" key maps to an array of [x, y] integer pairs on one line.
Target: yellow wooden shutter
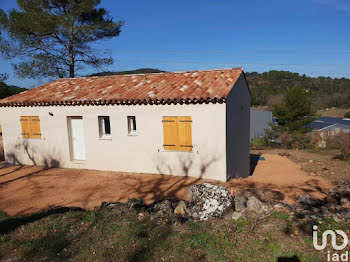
{"points": [[35, 131], [0, 129], [185, 133], [25, 126], [170, 132]]}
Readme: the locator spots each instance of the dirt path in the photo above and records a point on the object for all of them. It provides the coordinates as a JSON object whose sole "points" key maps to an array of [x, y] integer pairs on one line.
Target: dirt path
{"points": [[281, 174], [27, 189]]}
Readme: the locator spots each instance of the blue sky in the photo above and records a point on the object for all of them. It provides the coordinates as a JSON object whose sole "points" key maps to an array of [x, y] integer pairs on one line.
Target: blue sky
{"points": [[306, 36]]}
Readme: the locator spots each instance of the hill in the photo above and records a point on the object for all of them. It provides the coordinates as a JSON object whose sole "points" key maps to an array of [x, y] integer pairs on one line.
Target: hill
{"points": [[268, 88], [6, 90], [137, 71]]}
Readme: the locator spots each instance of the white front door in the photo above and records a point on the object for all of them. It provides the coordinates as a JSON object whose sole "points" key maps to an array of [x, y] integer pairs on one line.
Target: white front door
{"points": [[77, 138]]}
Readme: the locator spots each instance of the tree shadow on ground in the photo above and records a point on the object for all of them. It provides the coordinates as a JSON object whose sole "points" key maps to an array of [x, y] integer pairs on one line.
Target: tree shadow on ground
{"points": [[163, 186], [47, 161], [288, 259], [9, 224]]}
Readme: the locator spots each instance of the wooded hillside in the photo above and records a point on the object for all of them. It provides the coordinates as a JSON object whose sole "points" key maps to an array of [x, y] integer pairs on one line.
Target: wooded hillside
{"points": [[6, 90], [267, 88]]}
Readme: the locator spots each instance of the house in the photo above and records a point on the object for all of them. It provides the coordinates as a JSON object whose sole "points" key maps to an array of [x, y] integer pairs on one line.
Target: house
{"points": [[259, 122], [192, 123], [325, 127]]}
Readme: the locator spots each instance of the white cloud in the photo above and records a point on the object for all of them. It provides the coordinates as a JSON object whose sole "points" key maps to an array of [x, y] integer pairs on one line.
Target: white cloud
{"points": [[343, 5]]}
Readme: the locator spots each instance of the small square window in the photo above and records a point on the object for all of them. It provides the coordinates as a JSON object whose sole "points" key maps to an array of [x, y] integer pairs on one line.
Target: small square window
{"points": [[131, 124], [104, 126]]}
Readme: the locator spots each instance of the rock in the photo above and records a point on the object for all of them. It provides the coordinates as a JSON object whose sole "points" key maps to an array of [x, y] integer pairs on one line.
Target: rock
{"points": [[339, 207], [265, 194], [332, 190], [237, 215], [112, 205], [344, 192], [256, 205], [140, 216], [165, 206], [345, 213], [345, 203], [282, 207], [316, 216], [269, 195], [136, 203], [240, 202], [207, 201], [181, 209], [305, 199]]}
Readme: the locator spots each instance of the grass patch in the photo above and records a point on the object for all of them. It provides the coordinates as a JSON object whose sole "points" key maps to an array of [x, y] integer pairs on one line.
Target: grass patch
{"points": [[46, 246], [198, 240], [279, 215], [118, 235], [241, 224]]}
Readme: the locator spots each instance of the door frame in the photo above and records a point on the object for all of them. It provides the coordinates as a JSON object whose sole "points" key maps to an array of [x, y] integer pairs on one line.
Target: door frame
{"points": [[70, 138]]}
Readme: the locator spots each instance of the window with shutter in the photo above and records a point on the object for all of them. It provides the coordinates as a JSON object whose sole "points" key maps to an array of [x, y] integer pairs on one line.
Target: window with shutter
{"points": [[35, 131], [184, 127], [177, 131], [30, 127]]}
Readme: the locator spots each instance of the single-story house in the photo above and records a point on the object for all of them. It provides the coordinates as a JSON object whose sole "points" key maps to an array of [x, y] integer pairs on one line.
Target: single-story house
{"points": [[259, 122], [325, 127], [192, 123]]}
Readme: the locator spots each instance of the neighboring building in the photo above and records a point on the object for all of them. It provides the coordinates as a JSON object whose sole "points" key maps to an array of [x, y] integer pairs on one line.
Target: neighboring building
{"points": [[259, 122], [325, 127], [187, 123]]}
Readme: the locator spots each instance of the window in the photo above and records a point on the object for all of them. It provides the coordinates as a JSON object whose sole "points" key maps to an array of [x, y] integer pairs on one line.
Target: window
{"points": [[131, 125], [30, 127], [177, 131], [104, 126]]}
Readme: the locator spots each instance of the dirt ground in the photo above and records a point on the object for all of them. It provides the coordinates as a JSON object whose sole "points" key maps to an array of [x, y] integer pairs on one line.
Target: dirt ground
{"points": [[27, 189], [317, 164], [333, 112]]}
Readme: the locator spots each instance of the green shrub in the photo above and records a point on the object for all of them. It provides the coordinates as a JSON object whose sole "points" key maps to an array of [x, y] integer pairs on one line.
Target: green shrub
{"points": [[259, 143], [347, 115]]}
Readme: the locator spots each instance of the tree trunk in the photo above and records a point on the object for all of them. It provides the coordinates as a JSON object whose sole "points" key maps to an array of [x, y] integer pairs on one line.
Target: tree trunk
{"points": [[71, 54]]}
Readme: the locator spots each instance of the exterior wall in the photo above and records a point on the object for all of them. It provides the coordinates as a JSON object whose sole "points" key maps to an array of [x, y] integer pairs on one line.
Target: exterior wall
{"points": [[237, 130], [259, 121], [142, 153]]}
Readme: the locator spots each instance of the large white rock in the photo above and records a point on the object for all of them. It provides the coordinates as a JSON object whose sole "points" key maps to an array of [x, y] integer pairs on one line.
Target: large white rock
{"points": [[207, 200]]}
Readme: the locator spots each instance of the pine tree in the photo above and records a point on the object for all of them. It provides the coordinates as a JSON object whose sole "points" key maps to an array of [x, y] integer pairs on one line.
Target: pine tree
{"points": [[53, 37]]}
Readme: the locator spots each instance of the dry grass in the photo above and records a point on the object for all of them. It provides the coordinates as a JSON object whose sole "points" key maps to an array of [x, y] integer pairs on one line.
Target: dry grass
{"points": [[118, 235]]}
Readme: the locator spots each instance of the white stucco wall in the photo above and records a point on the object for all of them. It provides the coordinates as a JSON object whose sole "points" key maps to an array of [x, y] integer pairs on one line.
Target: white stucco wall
{"points": [[142, 153]]}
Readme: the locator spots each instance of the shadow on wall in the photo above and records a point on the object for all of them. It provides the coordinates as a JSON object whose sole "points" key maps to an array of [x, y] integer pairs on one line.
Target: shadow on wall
{"points": [[23, 147], [186, 165]]}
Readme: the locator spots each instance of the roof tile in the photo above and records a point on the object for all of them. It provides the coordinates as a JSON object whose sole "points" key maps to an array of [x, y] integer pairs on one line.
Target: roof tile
{"points": [[139, 87]]}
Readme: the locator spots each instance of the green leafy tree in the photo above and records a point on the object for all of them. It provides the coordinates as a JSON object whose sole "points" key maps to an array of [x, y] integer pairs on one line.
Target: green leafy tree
{"points": [[293, 115], [53, 38]]}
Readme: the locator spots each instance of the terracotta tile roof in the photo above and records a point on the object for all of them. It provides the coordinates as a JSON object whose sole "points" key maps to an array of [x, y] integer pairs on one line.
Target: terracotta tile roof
{"points": [[154, 88]]}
